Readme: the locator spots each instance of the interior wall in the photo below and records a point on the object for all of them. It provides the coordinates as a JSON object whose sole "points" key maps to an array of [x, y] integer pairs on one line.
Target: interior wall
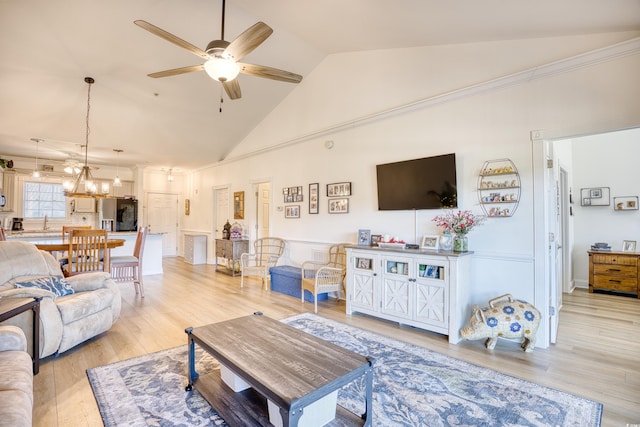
{"points": [[604, 160], [483, 125]]}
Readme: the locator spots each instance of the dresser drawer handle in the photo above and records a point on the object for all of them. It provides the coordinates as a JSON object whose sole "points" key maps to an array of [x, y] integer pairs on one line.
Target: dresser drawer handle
{"points": [[615, 281], [614, 269]]}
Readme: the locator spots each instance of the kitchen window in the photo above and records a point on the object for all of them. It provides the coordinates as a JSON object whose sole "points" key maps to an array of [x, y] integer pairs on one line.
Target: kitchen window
{"points": [[40, 199]]}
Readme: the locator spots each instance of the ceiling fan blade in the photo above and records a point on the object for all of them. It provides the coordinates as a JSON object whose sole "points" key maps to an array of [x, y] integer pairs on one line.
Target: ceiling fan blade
{"points": [[171, 38], [232, 88], [177, 71], [250, 39], [269, 73]]}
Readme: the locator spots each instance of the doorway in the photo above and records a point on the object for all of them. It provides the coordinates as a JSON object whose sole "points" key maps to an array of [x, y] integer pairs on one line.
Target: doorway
{"points": [[263, 209], [221, 209], [162, 217]]}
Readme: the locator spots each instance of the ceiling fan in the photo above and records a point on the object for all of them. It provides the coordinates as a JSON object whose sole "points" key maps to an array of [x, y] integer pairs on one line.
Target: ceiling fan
{"points": [[222, 57]]}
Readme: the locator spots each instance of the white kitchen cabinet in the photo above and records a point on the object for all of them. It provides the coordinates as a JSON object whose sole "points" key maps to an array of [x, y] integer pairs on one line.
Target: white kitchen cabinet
{"points": [[195, 248], [424, 289], [84, 204]]}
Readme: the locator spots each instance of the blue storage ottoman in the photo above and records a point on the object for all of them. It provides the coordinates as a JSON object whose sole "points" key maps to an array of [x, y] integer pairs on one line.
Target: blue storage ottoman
{"points": [[287, 279]]}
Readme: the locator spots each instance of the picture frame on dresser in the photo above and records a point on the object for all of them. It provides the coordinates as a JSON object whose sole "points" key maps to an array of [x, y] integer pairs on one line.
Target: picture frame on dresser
{"points": [[430, 242], [628, 246]]}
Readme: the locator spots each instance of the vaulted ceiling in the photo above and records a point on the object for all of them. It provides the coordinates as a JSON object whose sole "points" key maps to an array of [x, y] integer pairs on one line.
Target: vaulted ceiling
{"points": [[48, 47]]}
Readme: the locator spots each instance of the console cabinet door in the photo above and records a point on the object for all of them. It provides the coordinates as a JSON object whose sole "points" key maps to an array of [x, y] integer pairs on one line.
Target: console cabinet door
{"points": [[362, 283], [396, 286], [431, 302]]}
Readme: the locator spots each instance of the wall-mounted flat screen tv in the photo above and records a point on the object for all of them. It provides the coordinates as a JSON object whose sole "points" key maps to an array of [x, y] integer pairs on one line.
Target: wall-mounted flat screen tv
{"points": [[427, 183]]}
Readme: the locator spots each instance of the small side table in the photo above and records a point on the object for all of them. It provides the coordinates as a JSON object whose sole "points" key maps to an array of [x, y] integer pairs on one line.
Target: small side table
{"points": [[10, 307]]}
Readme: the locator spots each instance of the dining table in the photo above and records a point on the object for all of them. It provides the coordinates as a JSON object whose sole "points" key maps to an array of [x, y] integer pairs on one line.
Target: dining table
{"points": [[54, 245]]}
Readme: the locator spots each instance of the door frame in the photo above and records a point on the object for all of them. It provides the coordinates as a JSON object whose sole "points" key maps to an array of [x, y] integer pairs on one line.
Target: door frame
{"points": [[255, 200]]}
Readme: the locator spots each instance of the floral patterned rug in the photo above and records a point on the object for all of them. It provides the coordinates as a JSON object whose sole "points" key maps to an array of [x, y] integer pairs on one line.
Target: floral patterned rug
{"points": [[413, 386]]}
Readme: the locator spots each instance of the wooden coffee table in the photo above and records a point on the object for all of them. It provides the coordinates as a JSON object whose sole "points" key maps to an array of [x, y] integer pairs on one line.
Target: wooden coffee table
{"points": [[266, 363]]}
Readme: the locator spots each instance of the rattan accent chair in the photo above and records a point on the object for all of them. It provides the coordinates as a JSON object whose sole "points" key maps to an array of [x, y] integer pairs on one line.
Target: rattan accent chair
{"points": [[266, 253], [321, 278]]}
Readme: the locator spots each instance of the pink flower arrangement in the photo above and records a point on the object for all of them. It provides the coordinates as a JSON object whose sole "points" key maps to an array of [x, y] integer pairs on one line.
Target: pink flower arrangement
{"points": [[460, 223]]}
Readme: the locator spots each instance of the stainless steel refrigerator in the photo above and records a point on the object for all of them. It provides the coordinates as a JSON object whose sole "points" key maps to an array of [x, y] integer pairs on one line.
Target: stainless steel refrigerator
{"points": [[119, 214]]}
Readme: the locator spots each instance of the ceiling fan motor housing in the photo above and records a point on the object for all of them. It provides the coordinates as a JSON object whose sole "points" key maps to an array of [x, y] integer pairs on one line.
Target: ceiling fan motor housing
{"points": [[216, 48]]}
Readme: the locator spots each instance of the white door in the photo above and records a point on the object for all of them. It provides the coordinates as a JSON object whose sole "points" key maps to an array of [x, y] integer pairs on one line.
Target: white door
{"points": [[263, 209], [552, 182], [221, 208], [162, 217]]}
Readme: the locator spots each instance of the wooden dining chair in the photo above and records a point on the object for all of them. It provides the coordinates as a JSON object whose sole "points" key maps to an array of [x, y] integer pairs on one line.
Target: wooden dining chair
{"points": [[129, 267], [87, 252], [67, 228]]}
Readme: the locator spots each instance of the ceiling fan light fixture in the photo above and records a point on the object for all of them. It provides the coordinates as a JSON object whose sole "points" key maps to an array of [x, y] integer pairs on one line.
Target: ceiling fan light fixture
{"points": [[222, 69]]}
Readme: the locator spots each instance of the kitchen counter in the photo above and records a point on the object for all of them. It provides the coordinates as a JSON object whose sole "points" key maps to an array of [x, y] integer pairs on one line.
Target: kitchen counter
{"points": [[151, 260]]}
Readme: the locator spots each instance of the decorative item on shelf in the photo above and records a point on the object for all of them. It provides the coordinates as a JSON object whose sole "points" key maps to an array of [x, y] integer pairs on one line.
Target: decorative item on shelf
{"points": [[236, 231], [364, 237], [459, 223], [499, 186], [226, 231], [625, 203], [460, 243], [595, 196], [446, 241]]}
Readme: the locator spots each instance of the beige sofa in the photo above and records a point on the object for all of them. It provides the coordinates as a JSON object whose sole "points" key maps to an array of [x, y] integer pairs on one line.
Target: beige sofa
{"points": [[16, 378], [65, 321]]}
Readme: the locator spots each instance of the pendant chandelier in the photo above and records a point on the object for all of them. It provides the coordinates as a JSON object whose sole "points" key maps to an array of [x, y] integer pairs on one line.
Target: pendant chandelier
{"points": [[84, 185]]}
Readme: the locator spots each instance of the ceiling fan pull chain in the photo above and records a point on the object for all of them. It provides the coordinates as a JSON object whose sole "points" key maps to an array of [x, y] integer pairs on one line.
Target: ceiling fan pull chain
{"points": [[221, 100]]}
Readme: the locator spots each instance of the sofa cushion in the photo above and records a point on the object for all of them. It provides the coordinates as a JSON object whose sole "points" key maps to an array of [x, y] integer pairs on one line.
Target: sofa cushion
{"points": [[16, 388], [57, 285], [82, 304]]}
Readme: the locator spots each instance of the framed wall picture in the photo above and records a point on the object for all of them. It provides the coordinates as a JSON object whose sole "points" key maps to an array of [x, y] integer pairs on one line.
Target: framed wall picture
{"points": [[339, 189], [364, 237], [292, 211], [187, 206], [292, 194], [238, 205], [627, 203], [595, 196], [430, 242], [314, 190], [338, 206], [628, 246]]}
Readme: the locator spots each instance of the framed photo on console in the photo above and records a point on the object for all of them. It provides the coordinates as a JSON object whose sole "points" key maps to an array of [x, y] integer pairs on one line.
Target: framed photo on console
{"points": [[430, 242]]}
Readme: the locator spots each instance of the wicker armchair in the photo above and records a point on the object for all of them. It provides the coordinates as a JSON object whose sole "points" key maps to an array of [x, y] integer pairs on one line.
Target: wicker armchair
{"points": [[267, 252], [320, 278]]}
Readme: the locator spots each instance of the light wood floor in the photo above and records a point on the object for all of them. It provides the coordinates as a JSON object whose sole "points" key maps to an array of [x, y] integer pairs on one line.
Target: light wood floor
{"points": [[597, 354]]}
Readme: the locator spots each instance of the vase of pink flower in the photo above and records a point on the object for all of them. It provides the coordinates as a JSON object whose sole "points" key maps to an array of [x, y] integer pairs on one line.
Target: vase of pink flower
{"points": [[459, 224]]}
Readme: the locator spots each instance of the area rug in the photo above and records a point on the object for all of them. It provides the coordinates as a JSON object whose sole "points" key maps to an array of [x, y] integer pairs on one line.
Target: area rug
{"points": [[413, 386]]}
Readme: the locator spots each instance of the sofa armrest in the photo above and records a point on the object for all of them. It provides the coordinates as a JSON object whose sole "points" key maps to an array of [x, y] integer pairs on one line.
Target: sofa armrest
{"points": [[27, 293], [12, 339], [88, 281]]}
